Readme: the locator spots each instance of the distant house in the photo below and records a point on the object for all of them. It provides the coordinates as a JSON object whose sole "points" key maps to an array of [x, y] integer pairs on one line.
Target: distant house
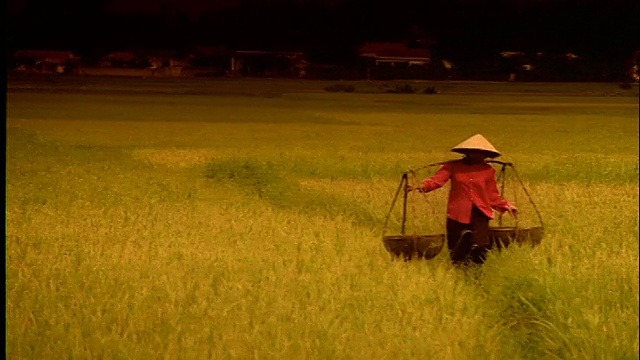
{"points": [[394, 52], [45, 61], [268, 63], [208, 50], [55, 57], [516, 64], [119, 59], [633, 72], [543, 66], [394, 59], [159, 63]]}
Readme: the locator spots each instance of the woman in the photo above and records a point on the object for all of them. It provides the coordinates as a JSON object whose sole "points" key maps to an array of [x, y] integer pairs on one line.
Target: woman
{"points": [[473, 197]]}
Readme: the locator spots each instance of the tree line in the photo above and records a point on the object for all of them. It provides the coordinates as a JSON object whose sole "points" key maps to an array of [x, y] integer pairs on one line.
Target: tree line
{"points": [[459, 30]]}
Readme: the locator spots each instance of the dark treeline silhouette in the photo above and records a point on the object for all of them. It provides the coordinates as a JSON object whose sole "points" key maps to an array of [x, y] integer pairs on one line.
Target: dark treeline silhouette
{"points": [[459, 30]]}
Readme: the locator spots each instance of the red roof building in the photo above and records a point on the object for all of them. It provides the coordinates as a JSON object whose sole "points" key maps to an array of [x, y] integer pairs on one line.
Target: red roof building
{"points": [[394, 52]]}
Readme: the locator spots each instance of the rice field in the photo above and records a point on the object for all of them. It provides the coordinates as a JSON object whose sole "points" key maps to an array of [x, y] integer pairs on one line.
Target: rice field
{"points": [[237, 218]]}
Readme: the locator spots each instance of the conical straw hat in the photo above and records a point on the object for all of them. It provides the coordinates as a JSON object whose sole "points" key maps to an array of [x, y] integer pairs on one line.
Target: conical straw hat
{"points": [[476, 142]]}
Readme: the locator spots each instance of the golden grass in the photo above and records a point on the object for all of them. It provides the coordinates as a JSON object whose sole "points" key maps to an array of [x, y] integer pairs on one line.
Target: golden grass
{"points": [[120, 246], [173, 158]]}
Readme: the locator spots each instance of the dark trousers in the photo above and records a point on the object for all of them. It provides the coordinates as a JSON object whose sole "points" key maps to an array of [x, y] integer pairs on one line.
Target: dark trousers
{"points": [[464, 240]]}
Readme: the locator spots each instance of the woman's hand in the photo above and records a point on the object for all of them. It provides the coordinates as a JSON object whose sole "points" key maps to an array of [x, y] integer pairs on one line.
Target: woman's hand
{"points": [[513, 211]]}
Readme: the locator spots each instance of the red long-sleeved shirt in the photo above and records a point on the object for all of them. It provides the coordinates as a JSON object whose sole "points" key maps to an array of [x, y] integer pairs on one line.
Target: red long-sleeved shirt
{"points": [[471, 184]]}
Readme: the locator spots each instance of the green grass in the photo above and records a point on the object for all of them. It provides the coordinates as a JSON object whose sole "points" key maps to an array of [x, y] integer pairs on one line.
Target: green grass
{"points": [[243, 219]]}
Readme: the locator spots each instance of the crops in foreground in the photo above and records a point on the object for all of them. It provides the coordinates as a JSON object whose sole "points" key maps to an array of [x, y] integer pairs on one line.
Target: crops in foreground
{"points": [[155, 224]]}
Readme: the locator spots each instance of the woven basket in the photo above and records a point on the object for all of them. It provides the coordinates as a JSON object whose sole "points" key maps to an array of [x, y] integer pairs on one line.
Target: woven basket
{"points": [[414, 246], [504, 236]]}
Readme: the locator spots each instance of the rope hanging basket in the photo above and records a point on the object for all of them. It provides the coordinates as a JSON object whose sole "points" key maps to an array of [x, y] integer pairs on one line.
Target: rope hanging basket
{"points": [[502, 236], [410, 246]]}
